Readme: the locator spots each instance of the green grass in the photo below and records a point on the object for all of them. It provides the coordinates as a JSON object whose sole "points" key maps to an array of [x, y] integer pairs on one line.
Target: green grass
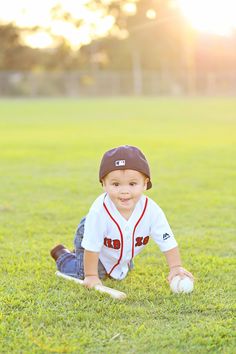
{"points": [[49, 157]]}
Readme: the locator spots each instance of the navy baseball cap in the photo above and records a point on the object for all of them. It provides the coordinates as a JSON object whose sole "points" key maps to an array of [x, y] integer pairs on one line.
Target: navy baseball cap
{"points": [[124, 157]]}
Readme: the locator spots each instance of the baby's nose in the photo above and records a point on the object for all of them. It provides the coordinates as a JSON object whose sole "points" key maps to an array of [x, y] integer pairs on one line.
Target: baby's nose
{"points": [[124, 191]]}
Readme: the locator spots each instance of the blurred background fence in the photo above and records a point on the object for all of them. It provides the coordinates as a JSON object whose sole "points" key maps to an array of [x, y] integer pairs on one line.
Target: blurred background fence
{"points": [[115, 83]]}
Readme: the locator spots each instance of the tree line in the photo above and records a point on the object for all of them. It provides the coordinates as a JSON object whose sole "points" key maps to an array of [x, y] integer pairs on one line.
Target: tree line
{"points": [[163, 43]]}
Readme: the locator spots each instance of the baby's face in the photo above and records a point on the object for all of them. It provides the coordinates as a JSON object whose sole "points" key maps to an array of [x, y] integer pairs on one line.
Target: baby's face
{"points": [[125, 188]]}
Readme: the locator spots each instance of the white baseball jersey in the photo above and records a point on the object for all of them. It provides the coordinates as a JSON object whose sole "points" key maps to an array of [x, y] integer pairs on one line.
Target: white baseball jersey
{"points": [[119, 240]]}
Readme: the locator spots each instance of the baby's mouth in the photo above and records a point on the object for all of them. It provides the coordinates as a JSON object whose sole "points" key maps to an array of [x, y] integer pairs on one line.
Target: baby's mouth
{"points": [[124, 199]]}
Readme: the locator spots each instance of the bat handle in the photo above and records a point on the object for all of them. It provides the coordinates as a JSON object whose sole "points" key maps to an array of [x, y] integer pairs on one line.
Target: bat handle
{"points": [[116, 294]]}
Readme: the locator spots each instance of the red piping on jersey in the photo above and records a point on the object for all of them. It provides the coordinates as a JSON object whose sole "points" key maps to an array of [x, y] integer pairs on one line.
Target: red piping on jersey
{"points": [[121, 235], [144, 209]]}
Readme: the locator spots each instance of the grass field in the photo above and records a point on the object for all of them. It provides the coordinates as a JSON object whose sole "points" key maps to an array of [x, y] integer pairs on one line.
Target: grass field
{"points": [[50, 152]]}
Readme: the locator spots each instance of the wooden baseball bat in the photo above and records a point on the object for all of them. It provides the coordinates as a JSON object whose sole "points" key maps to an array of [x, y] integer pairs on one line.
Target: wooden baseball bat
{"points": [[116, 294]]}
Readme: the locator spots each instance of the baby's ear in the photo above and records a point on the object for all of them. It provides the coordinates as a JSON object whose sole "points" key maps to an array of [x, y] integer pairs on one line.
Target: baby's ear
{"points": [[145, 183]]}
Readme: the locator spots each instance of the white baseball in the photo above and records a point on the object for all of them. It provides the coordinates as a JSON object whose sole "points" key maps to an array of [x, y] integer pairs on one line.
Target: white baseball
{"points": [[179, 285]]}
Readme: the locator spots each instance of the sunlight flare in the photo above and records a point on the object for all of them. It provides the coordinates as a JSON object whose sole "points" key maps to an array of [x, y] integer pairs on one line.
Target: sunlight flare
{"points": [[212, 16]]}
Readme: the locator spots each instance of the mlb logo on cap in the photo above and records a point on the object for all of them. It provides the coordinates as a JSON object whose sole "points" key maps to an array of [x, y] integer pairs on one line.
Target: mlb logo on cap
{"points": [[119, 163]]}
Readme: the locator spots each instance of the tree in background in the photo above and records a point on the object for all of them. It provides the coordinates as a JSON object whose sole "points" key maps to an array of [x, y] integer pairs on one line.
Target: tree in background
{"points": [[155, 40], [13, 54], [16, 56], [141, 35], [158, 38]]}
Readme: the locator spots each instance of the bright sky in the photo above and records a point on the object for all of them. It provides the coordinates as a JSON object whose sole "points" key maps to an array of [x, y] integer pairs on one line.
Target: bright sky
{"points": [[212, 16]]}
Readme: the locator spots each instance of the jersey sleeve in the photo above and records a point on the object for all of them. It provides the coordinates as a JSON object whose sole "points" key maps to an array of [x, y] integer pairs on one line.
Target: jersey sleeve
{"points": [[160, 230], [93, 232]]}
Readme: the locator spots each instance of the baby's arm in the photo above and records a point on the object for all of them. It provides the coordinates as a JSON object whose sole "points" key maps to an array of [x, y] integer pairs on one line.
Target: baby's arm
{"points": [[174, 262], [91, 269]]}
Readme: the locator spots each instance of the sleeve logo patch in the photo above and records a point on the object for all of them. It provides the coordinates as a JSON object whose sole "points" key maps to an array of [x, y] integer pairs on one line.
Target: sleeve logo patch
{"points": [[119, 163], [166, 236]]}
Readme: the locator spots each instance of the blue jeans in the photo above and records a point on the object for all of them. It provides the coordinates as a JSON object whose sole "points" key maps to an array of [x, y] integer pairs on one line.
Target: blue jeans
{"points": [[73, 263]]}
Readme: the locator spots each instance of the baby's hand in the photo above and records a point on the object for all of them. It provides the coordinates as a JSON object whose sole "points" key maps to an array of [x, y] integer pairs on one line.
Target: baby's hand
{"points": [[91, 280], [178, 271]]}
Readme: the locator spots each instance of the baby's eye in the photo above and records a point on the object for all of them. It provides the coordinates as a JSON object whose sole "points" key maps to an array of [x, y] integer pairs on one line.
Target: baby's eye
{"points": [[133, 183], [115, 184]]}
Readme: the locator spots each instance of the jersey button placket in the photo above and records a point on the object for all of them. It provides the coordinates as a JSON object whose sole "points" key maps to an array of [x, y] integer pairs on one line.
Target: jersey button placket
{"points": [[128, 243]]}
